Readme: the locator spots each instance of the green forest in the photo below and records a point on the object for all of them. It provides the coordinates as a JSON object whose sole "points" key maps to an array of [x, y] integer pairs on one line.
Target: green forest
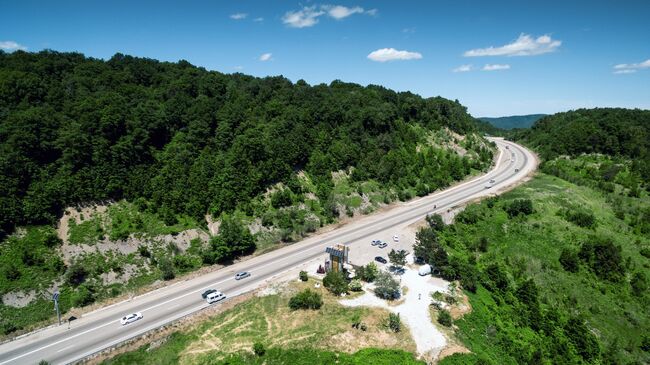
{"points": [[609, 131], [75, 129]]}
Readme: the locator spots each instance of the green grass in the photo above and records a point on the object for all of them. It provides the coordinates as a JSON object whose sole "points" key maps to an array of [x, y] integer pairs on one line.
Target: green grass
{"points": [[291, 337], [86, 232], [530, 248]]}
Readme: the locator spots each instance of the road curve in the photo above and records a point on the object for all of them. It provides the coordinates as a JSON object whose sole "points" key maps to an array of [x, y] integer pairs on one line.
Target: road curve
{"points": [[101, 329]]}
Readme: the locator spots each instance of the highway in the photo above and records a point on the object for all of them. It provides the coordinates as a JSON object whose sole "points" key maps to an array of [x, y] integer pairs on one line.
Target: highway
{"points": [[101, 329]]}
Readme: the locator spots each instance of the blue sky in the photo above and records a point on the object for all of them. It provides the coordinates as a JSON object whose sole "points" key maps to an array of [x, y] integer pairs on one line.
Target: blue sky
{"points": [[497, 58]]}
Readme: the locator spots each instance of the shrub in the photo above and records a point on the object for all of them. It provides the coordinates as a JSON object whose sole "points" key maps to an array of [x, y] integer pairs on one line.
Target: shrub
{"points": [[444, 318], [259, 349], [435, 222], [519, 207], [76, 274], [166, 269], [12, 273], [82, 296], [604, 258], [335, 282], [281, 198], [144, 251], [386, 287], [569, 260], [639, 284], [394, 322], [303, 275], [581, 218], [368, 273], [306, 299], [355, 285]]}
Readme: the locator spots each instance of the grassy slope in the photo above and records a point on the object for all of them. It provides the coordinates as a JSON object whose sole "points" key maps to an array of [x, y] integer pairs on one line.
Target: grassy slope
{"points": [[531, 248], [292, 337]]}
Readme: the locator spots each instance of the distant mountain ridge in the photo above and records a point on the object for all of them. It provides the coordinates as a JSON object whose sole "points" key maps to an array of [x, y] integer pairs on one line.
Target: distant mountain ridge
{"points": [[513, 121]]}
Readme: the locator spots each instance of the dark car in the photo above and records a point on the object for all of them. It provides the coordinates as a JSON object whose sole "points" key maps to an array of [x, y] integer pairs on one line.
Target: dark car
{"points": [[208, 292], [380, 259]]}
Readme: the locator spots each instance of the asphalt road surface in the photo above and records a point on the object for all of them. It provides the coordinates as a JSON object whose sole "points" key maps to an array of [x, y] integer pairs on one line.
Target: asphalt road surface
{"points": [[100, 329]]}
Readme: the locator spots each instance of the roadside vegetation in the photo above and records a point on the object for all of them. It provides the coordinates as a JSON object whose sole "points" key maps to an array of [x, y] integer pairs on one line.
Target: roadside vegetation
{"points": [[268, 330], [546, 286]]}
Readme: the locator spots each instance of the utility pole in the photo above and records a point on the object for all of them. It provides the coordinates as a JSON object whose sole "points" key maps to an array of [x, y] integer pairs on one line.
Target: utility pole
{"points": [[55, 297]]}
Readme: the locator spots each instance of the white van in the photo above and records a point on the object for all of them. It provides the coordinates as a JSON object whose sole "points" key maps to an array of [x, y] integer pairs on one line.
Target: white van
{"points": [[215, 297], [424, 270]]}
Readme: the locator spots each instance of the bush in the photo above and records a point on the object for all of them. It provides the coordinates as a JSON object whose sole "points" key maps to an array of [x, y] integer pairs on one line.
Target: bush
{"points": [[335, 282], [581, 218], [639, 284], [355, 285], [76, 274], [82, 296], [259, 349], [519, 207], [11, 272], [368, 273], [435, 222], [569, 260], [303, 275], [386, 287], [166, 269], [444, 318], [394, 322], [604, 258], [144, 251], [306, 299], [281, 198]]}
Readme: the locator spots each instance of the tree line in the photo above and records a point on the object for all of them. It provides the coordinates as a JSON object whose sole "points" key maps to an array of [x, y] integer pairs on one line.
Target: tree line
{"points": [[75, 129]]}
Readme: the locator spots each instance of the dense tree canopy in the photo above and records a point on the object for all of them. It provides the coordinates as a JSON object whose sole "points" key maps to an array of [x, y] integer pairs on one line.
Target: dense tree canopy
{"points": [[75, 129], [610, 131]]}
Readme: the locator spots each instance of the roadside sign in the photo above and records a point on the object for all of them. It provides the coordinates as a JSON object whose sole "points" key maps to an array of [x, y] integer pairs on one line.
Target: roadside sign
{"points": [[55, 296]]}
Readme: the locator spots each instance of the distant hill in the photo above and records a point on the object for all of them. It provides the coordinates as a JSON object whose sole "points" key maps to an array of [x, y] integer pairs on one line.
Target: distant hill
{"points": [[513, 121], [609, 131]]}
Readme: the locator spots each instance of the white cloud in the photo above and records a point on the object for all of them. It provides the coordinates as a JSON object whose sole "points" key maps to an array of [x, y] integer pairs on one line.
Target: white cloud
{"points": [[239, 67], [306, 17], [309, 16], [410, 30], [238, 16], [340, 12], [266, 57], [463, 68], [11, 46], [391, 54], [495, 67], [260, 19], [630, 68], [525, 45]]}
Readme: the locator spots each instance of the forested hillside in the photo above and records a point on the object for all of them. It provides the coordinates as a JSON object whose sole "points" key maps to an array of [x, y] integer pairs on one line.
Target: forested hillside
{"points": [[513, 121], [610, 131], [158, 146], [75, 129]]}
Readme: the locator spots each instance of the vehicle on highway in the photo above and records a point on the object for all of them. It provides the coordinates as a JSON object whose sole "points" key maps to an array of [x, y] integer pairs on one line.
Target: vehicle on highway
{"points": [[131, 318], [375, 242], [382, 245], [215, 297], [208, 292], [516, 170], [380, 259], [396, 238], [492, 181], [488, 185], [242, 275], [507, 147]]}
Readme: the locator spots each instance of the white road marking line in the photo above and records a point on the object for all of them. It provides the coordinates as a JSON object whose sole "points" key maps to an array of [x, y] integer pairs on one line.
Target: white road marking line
{"points": [[65, 348]]}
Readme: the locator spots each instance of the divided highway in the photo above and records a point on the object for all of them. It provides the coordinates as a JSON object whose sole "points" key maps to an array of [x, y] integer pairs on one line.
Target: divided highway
{"points": [[101, 329]]}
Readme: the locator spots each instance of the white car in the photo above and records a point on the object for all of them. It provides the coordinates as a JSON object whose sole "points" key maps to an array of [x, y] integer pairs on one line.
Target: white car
{"points": [[242, 275], [396, 238], [382, 245], [131, 318], [215, 297]]}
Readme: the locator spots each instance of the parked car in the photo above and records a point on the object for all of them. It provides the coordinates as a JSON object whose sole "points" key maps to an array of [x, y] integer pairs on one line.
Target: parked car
{"points": [[380, 259], [215, 297], [375, 242], [382, 245], [131, 318], [396, 238], [208, 292], [242, 275], [424, 270]]}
